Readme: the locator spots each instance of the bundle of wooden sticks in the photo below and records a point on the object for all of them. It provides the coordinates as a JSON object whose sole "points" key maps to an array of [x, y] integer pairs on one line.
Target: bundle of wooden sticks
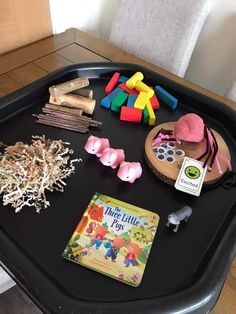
{"points": [[65, 109]]}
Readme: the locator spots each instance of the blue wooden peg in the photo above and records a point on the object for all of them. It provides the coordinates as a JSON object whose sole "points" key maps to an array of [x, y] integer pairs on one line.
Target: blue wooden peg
{"points": [[165, 97]]}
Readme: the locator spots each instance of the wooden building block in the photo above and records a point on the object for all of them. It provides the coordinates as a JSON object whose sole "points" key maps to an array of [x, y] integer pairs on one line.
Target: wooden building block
{"points": [[106, 101], [127, 89], [130, 114], [122, 79], [112, 83], [145, 115], [141, 100], [142, 87], [154, 102], [152, 117], [138, 76], [166, 97], [118, 101], [131, 100]]}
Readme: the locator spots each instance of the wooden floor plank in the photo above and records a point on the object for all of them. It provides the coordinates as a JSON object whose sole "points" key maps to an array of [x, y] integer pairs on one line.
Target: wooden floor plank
{"points": [[27, 74], [117, 55], [35, 51], [8, 85], [78, 54], [227, 301], [52, 62]]}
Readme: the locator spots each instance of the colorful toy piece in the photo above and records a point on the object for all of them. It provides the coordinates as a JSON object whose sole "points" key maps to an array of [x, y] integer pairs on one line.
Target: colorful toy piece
{"points": [[145, 115], [106, 101], [141, 100], [138, 76], [130, 114], [112, 83], [122, 79], [112, 157], [152, 117], [167, 98], [96, 145], [131, 100], [118, 101], [154, 102], [127, 89], [175, 218], [129, 171], [142, 87]]}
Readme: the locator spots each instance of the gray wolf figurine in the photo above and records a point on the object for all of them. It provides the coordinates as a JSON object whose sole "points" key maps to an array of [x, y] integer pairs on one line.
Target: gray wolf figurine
{"points": [[175, 218]]}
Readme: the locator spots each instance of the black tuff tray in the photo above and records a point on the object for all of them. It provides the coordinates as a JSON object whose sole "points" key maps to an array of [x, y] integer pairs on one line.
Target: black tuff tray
{"points": [[185, 271]]}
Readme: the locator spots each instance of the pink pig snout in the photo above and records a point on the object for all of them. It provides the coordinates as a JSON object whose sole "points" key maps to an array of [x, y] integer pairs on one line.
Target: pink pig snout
{"points": [[129, 171], [112, 157], [96, 145]]}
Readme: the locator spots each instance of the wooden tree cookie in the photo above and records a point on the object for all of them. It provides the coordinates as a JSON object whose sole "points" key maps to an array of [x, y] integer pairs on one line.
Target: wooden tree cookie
{"points": [[168, 171]]}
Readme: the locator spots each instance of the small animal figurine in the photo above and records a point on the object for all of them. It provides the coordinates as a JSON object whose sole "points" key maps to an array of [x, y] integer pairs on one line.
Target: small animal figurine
{"points": [[112, 157], [132, 251], [96, 145], [175, 218], [129, 171]]}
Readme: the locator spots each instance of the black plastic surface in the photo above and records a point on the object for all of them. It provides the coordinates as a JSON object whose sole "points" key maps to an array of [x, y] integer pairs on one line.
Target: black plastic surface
{"points": [[185, 271]]}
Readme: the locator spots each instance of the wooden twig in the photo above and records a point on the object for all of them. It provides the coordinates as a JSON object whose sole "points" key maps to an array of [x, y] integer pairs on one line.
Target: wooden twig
{"points": [[67, 87], [74, 101], [58, 125], [61, 120], [76, 112], [69, 116]]}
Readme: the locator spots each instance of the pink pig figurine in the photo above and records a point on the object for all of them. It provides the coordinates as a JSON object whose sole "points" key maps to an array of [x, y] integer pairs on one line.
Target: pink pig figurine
{"points": [[112, 157], [96, 145], [129, 171]]}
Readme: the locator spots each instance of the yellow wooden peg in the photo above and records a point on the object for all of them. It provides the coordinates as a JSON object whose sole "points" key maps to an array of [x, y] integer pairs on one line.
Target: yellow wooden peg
{"points": [[142, 87], [152, 117], [141, 100], [138, 76]]}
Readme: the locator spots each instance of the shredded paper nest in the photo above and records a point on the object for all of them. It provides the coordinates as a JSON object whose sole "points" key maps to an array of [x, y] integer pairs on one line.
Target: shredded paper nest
{"points": [[27, 171]]}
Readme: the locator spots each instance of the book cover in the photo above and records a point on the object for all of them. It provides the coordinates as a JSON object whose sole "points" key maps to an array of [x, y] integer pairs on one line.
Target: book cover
{"points": [[113, 238]]}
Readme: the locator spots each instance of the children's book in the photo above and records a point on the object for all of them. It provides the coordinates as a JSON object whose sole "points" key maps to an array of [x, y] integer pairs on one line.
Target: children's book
{"points": [[113, 238]]}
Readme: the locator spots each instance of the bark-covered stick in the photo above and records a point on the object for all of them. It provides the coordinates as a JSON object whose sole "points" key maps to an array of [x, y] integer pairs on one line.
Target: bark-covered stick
{"points": [[58, 125], [67, 87], [76, 112], [74, 101], [86, 92]]}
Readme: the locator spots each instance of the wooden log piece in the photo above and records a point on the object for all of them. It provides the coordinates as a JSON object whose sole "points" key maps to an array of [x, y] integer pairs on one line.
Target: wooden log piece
{"points": [[74, 101], [69, 86], [76, 112], [85, 92]]}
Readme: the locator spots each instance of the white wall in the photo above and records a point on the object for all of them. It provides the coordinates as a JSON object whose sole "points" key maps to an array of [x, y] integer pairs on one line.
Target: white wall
{"points": [[213, 63]]}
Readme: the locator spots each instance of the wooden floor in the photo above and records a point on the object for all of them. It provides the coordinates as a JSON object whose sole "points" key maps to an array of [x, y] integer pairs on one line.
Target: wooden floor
{"points": [[32, 62]]}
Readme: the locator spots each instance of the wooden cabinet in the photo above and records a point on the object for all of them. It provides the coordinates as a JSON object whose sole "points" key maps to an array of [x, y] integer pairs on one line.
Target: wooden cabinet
{"points": [[23, 22]]}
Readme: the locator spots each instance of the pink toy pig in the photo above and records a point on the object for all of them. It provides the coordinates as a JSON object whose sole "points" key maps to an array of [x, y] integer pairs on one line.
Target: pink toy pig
{"points": [[112, 157], [129, 171], [96, 145]]}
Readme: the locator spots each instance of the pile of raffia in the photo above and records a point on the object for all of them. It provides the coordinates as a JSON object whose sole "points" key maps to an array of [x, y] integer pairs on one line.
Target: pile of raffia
{"points": [[27, 171]]}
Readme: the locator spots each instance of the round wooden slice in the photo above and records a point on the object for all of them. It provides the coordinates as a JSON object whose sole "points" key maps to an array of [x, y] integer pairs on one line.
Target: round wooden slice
{"points": [[168, 172]]}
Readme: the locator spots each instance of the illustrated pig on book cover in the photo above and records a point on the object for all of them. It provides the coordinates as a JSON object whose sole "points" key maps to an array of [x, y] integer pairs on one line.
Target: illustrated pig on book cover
{"points": [[113, 238]]}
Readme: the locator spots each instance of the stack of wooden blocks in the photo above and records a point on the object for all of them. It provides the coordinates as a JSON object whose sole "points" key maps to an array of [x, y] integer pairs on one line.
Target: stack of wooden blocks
{"points": [[135, 100]]}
